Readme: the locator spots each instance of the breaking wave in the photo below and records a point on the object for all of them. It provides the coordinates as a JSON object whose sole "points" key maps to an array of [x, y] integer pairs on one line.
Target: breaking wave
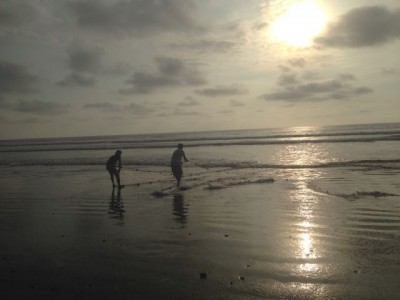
{"points": [[378, 164]]}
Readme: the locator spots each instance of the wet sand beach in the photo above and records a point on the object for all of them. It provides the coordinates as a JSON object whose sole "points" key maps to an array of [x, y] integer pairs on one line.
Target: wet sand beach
{"points": [[234, 234]]}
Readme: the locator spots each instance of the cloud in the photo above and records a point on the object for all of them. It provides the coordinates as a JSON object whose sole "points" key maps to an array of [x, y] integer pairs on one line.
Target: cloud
{"points": [[287, 79], [363, 27], [77, 79], [178, 112], [119, 68], [322, 90], [136, 17], [15, 79], [83, 58], [13, 13], [297, 62], [222, 91], [84, 62], [138, 109], [204, 45], [284, 68], [40, 107], [389, 71], [226, 112], [189, 101], [104, 106], [347, 77], [169, 72], [236, 103]]}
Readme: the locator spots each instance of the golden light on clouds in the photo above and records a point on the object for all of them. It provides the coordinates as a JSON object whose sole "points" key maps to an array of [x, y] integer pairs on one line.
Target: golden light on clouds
{"points": [[299, 24]]}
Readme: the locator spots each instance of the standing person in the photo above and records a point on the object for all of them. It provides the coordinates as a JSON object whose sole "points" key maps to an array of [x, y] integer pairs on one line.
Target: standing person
{"points": [[113, 169], [176, 164]]}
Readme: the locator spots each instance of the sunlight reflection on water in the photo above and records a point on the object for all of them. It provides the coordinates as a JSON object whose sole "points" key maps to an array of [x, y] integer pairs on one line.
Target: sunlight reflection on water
{"points": [[305, 202]]}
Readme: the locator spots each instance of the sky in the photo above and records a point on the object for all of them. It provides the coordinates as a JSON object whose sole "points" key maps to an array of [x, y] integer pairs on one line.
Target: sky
{"points": [[111, 67]]}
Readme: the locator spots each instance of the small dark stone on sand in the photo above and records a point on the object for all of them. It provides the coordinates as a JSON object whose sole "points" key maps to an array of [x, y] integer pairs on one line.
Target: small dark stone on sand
{"points": [[226, 235], [203, 275], [241, 278]]}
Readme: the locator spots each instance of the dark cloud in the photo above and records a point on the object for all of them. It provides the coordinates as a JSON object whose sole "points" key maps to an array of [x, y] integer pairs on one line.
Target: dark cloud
{"points": [[310, 75], [322, 90], [169, 72], [77, 79], [84, 62], [287, 79], [204, 45], [189, 101], [297, 62], [137, 17], [363, 27], [118, 69], [83, 58], [104, 106], [389, 71], [284, 68], [236, 103], [40, 107], [138, 109], [178, 112], [221, 91], [16, 79], [14, 13], [226, 112], [346, 77]]}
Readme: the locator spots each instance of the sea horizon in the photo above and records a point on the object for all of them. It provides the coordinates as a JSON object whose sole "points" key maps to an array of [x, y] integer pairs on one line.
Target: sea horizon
{"points": [[198, 131]]}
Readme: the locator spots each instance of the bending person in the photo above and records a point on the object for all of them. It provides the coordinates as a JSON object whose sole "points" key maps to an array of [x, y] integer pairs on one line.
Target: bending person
{"points": [[113, 169]]}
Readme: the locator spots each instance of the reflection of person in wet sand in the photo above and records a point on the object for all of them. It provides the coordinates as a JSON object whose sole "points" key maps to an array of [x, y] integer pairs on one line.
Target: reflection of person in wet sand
{"points": [[116, 206], [113, 169], [179, 209], [176, 164]]}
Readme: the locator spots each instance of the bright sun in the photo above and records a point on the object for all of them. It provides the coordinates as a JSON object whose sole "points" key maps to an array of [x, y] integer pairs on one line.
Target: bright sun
{"points": [[299, 24]]}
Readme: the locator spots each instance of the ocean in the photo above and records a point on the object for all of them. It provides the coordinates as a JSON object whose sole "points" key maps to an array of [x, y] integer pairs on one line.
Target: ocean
{"points": [[371, 150], [297, 213], [372, 145]]}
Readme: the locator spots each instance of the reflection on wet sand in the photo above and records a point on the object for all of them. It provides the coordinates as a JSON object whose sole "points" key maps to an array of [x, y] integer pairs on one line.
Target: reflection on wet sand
{"points": [[306, 246], [116, 206], [179, 209]]}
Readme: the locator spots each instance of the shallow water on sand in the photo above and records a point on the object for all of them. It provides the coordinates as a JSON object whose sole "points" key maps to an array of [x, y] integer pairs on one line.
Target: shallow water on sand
{"points": [[309, 233]]}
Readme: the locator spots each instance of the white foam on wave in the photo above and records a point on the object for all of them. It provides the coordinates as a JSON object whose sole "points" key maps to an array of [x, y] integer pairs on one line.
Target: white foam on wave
{"points": [[213, 179]]}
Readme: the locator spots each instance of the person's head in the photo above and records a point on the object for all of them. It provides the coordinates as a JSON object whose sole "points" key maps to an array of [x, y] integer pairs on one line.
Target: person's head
{"points": [[180, 146], [118, 152]]}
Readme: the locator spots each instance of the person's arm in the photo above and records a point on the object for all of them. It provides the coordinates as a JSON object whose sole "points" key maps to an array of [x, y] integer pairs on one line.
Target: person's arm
{"points": [[119, 163], [184, 157]]}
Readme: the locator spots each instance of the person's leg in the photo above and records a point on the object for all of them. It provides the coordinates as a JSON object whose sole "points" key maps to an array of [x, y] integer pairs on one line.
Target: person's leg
{"points": [[180, 174], [112, 177], [118, 180]]}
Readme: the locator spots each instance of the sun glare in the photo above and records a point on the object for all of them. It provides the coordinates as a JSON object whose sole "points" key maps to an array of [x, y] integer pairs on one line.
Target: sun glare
{"points": [[298, 25]]}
